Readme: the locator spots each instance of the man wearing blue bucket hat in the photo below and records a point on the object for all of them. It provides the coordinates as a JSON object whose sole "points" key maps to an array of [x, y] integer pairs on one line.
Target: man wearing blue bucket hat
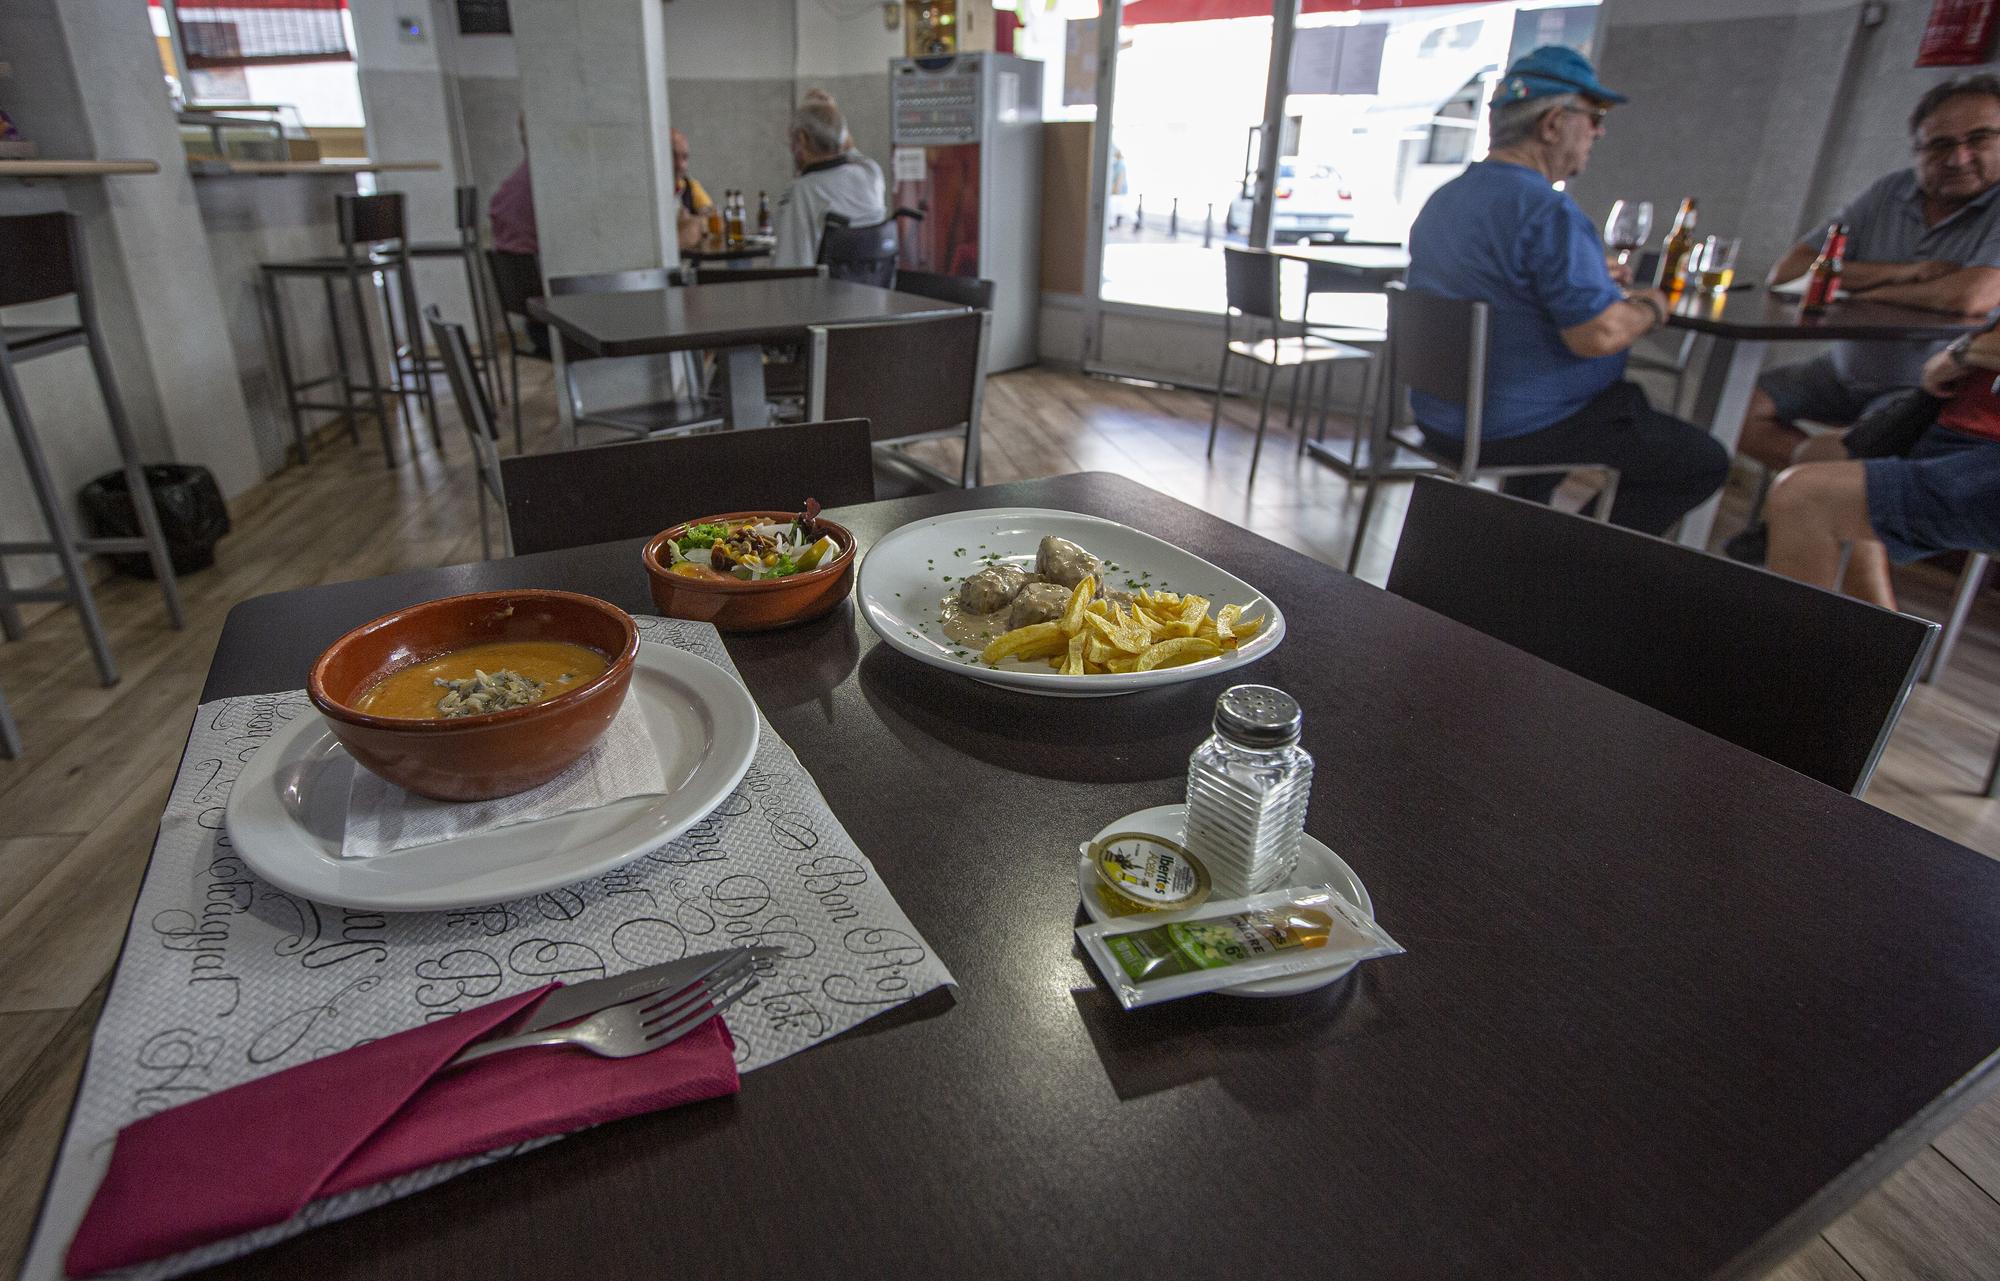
{"points": [[1556, 391]]}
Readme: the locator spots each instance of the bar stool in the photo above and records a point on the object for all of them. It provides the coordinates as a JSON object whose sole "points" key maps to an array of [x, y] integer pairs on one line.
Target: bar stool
{"points": [[41, 257], [373, 241], [466, 250]]}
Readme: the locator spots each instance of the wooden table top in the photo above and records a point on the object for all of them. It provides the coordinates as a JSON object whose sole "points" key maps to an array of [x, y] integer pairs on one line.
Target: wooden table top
{"points": [[1763, 315], [715, 251], [1668, 1007], [722, 314]]}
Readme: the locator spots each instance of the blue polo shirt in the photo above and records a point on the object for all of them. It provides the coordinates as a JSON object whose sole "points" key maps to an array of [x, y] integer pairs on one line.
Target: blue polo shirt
{"points": [[1500, 233]]}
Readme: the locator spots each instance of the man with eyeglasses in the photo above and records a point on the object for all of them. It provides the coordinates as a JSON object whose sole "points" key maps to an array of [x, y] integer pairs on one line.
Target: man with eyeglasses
{"points": [[1560, 320], [1928, 236]]}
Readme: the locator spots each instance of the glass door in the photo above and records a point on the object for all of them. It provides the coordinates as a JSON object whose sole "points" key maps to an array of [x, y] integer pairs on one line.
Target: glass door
{"points": [[1180, 176]]}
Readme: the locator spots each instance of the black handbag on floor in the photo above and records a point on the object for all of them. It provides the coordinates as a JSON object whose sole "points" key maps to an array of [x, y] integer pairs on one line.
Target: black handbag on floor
{"points": [[1892, 430]]}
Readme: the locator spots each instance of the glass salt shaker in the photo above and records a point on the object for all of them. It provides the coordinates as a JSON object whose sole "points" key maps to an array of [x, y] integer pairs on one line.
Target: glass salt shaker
{"points": [[1247, 790]]}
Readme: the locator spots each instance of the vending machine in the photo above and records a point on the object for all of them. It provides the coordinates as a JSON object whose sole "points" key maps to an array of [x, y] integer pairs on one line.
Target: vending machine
{"points": [[966, 133]]}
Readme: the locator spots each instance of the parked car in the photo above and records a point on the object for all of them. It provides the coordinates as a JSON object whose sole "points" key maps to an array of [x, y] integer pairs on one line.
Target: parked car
{"points": [[1312, 202]]}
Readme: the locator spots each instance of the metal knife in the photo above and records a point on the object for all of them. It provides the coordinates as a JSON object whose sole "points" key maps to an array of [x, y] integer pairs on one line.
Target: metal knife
{"points": [[573, 1001]]}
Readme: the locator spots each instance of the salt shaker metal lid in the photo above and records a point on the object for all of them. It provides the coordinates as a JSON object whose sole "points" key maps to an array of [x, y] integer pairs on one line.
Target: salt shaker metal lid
{"points": [[1258, 717]]}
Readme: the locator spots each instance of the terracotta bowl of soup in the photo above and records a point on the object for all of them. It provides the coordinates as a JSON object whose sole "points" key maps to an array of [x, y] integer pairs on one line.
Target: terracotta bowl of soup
{"points": [[376, 687], [736, 605]]}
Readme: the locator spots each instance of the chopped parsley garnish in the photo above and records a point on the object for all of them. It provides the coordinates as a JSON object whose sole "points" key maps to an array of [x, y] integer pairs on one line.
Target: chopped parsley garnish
{"points": [[702, 536]]}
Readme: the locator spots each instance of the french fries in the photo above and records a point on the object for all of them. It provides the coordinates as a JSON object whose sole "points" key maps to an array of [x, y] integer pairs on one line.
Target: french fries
{"points": [[1096, 636]]}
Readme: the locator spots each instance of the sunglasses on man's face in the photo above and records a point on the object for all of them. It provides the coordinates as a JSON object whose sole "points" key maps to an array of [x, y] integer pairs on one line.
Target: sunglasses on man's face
{"points": [[1596, 114], [1944, 148]]}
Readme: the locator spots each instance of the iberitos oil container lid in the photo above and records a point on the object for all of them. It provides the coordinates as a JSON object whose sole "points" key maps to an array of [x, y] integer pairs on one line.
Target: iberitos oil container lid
{"points": [[1140, 872]]}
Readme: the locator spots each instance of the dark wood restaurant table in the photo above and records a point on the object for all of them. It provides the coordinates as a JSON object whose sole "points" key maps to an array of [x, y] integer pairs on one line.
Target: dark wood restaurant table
{"points": [[1740, 325], [741, 252], [1360, 268], [734, 319], [1668, 1007]]}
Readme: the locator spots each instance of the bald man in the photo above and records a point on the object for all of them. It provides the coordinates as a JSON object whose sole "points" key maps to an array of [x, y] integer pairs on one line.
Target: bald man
{"points": [[690, 218]]}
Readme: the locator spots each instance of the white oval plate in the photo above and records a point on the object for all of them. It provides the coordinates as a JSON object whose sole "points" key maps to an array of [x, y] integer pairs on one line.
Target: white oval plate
{"points": [[286, 812], [1318, 865], [903, 584]]}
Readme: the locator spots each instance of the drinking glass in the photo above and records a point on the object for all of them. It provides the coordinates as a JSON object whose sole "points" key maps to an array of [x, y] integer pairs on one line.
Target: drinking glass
{"points": [[1626, 230], [1715, 260]]}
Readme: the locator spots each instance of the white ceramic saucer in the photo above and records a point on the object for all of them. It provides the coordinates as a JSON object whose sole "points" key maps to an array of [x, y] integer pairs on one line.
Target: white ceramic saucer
{"points": [[1317, 865]]}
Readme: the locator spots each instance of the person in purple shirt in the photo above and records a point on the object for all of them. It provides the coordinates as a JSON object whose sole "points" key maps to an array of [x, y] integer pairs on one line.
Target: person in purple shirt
{"points": [[1560, 321], [511, 212]]}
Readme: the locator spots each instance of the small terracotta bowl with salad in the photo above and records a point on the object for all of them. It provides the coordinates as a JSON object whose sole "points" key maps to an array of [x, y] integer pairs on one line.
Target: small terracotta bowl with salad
{"points": [[751, 571]]}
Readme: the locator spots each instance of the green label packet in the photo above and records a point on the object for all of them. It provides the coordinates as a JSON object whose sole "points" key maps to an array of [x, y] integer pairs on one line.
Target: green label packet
{"points": [[1189, 946]]}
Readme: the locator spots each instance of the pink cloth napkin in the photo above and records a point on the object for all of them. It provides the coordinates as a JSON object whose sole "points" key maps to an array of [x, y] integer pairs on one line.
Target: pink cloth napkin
{"points": [[364, 1115]]}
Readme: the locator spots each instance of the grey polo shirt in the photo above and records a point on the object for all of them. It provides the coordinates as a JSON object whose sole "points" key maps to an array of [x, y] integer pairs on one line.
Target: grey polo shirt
{"points": [[1886, 224], [840, 186]]}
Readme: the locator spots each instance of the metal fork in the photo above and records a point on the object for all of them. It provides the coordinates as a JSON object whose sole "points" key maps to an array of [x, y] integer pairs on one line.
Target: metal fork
{"points": [[641, 1026]]}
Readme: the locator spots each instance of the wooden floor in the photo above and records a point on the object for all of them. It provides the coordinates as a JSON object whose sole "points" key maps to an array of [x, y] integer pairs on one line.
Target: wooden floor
{"points": [[78, 811]]}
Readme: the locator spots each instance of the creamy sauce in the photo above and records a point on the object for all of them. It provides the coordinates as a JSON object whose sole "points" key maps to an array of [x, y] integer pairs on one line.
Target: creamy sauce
{"points": [[974, 631], [413, 692]]}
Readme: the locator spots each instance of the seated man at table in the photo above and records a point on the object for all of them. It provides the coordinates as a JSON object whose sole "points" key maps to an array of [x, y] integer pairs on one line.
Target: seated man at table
{"points": [[829, 181], [1556, 391], [1941, 494], [511, 214], [847, 147], [1927, 237], [691, 201]]}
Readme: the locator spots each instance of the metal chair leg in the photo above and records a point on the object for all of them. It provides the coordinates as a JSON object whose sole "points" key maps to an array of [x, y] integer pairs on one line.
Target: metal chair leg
{"points": [[1993, 777], [11, 626], [420, 359], [56, 519], [10, 733], [1263, 417], [340, 361], [1608, 495], [1375, 436], [514, 372], [485, 539], [135, 480], [1962, 600], [382, 421], [274, 306], [482, 323], [1215, 416]]}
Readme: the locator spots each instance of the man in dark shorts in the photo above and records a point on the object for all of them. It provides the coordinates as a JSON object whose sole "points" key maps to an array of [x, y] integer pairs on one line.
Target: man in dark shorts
{"points": [[1928, 236], [1943, 494]]}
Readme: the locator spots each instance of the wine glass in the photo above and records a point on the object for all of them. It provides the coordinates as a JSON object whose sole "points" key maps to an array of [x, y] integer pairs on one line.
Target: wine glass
{"points": [[1626, 230]]}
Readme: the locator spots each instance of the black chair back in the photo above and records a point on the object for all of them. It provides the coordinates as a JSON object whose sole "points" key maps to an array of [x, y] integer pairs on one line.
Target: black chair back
{"points": [[516, 279], [740, 275], [966, 291], [370, 220], [475, 411], [583, 496], [40, 257], [866, 371], [865, 255], [1808, 678], [1250, 281], [465, 209], [617, 282]]}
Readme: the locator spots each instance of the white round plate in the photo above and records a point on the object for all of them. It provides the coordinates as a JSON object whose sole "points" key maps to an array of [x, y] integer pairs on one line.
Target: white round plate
{"points": [[1318, 865], [287, 811], [906, 577]]}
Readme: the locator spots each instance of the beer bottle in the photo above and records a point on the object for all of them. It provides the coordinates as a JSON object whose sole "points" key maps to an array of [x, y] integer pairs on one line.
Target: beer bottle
{"points": [[1824, 282], [763, 214], [735, 217], [1674, 253], [715, 222]]}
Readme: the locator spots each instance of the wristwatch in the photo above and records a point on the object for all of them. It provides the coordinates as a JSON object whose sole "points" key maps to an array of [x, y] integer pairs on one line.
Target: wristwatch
{"points": [[1650, 304]]}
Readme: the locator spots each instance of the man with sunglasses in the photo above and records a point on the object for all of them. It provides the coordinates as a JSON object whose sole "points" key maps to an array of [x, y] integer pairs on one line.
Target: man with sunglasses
{"points": [[1560, 320], [1927, 236]]}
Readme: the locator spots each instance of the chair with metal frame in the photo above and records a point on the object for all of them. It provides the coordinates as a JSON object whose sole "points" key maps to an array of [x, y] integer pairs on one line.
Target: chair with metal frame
{"points": [[1437, 345], [517, 280], [1253, 292], [1702, 638], [373, 241], [1970, 581], [864, 371], [647, 418], [465, 208], [475, 413], [576, 497], [42, 259]]}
